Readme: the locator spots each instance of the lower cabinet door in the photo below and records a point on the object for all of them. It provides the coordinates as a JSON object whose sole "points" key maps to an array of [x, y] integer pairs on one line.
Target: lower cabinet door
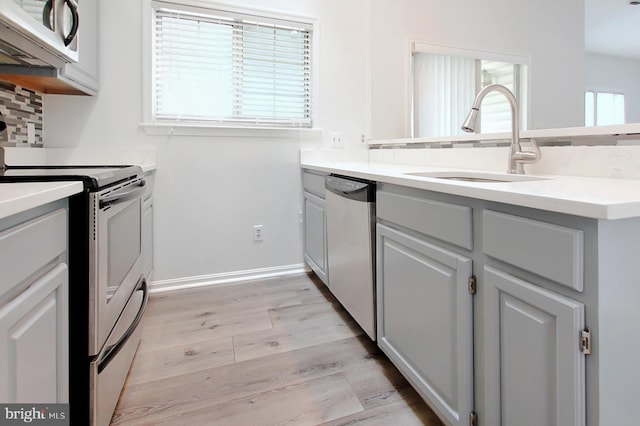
{"points": [[425, 320], [34, 342], [534, 369], [315, 235]]}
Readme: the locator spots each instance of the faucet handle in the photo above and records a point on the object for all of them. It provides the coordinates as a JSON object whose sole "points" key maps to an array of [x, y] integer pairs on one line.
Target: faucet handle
{"points": [[528, 157]]}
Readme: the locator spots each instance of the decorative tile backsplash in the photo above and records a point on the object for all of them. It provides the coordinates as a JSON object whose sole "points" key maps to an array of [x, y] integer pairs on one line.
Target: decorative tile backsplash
{"points": [[19, 107]]}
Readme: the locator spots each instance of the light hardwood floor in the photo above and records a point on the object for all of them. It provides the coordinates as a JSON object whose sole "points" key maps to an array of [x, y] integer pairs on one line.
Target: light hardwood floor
{"points": [[279, 351]]}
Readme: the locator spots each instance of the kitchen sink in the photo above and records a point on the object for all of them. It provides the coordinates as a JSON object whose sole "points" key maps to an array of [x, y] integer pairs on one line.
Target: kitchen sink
{"points": [[479, 177]]}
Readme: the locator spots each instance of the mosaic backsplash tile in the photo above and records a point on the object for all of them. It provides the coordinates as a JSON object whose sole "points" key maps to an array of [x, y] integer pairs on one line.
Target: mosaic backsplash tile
{"points": [[19, 107]]}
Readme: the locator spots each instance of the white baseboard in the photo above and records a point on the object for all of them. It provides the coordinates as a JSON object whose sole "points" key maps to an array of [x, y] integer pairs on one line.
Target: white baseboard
{"points": [[225, 278]]}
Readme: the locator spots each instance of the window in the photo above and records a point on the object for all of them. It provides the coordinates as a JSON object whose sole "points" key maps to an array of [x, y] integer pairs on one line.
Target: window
{"points": [[495, 113], [231, 69], [443, 90], [602, 108], [446, 81]]}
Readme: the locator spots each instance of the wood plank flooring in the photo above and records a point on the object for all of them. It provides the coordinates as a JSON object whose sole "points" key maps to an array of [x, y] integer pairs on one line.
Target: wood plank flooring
{"points": [[271, 352]]}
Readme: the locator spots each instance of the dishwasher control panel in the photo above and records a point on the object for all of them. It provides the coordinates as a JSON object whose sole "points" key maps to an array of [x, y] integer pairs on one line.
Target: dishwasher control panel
{"points": [[363, 191]]}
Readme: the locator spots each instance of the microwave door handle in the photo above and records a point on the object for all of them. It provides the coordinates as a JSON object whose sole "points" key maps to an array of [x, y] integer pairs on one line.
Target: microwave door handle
{"points": [[119, 197], [75, 21], [46, 14]]}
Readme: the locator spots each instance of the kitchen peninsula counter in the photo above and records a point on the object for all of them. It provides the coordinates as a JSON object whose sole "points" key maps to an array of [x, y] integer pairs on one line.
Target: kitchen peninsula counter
{"points": [[596, 198], [528, 272]]}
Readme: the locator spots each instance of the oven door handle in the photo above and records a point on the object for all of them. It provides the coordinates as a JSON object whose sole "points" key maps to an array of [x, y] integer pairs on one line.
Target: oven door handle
{"points": [[118, 197], [113, 350]]}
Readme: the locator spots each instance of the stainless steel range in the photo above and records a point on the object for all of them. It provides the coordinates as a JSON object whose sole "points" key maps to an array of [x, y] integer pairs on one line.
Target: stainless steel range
{"points": [[108, 292]]}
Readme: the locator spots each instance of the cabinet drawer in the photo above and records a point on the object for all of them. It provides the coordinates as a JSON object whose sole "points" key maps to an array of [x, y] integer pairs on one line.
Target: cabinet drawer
{"points": [[313, 182], [551, 251], [447, 222], [27, 247]]}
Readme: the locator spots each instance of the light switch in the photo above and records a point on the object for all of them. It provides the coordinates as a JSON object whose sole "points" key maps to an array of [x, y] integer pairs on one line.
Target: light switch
{"points": [[336, 140], [31, 133]]}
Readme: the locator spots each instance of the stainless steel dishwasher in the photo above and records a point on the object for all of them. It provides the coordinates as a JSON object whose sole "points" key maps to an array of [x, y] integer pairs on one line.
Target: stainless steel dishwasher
{"points": [[350, 208]]}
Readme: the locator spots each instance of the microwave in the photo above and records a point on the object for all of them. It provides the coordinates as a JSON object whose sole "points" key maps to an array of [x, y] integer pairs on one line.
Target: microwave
{"points": [[39, 32]]}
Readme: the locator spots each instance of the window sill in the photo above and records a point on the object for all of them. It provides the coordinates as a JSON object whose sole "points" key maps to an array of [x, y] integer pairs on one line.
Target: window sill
{"points": [[155, 129]]}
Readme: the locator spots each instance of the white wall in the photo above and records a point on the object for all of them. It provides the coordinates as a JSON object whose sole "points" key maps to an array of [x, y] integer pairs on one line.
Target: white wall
{"points": [[550, 32], [210, 191], [616, 75]]}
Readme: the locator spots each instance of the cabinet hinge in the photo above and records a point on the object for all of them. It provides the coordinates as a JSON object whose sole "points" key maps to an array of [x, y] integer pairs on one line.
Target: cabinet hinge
{"points": [[585, 341], [473, 419], [472, 284]]}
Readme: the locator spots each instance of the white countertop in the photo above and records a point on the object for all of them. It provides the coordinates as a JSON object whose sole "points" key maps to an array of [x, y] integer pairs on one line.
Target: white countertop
{"points": [[597, 198], [19, 197], [146, 167], [21, 156]]}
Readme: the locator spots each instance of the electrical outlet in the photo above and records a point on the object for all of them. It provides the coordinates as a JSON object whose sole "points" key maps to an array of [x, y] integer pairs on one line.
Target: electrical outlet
{"points": [[257, 233], [336, 140]]}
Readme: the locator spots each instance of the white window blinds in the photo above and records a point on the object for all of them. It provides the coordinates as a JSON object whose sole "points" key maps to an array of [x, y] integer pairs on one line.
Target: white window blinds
{"points": [[603, 108], [495, 113], [446, 81], [443, 92], [230, 69]]}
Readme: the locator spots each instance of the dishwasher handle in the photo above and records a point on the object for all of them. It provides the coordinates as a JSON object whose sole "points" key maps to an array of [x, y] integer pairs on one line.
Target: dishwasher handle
{"points": [[351, 189]]}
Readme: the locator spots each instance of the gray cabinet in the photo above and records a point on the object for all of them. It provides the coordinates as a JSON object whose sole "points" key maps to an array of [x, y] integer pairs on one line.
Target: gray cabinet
{"points": [[33, 306], [33, 328], [552, 321], [534, 370], [425, 312], [510, 353], [315, 224]]}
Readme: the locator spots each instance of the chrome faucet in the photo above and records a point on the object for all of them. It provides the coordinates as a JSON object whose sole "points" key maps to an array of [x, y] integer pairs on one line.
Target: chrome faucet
{"points": [[517, 157]]}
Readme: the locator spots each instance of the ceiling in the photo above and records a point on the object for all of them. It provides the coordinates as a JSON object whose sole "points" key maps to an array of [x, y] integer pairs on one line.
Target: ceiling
{"points": [[612, 27]]}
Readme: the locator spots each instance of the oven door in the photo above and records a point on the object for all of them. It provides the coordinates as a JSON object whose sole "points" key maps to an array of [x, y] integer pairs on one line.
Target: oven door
{"points": [[116, 259]]}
